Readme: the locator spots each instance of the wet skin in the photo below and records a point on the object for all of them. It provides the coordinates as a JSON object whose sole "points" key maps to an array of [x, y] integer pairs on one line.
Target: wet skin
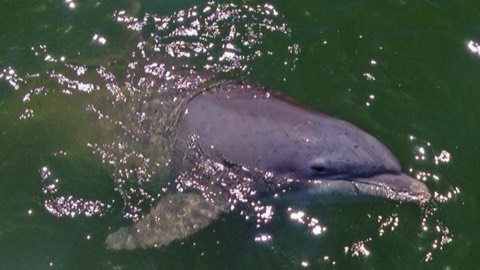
{"points": [[244, 125], [251, 126]]}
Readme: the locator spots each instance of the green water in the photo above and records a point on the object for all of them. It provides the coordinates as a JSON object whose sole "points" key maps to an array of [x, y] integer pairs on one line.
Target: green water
{"points": [[405, 71]]}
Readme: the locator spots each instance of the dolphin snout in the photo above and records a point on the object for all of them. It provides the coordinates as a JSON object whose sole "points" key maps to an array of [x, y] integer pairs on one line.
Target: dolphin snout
{"points": [[397, 187]]}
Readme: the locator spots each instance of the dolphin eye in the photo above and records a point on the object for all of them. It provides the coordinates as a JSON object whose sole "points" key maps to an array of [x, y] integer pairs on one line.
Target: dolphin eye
{"points": [[318, 169]]}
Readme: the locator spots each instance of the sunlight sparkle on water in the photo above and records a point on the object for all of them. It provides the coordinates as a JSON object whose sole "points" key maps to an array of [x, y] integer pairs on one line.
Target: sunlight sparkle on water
{"points": [[11, 77], [70, 4], [264, 213], [217, 44], [371, 97], [298, 216], [72, 84], [474, 47], [446, 197], [420, 152], [45, 172], [369, 77], [28, 113], [443, 157], [311, 222], [423, 152], [263, 238], [389, 223], [69, 206], [98, 39], [443, 236], [358, 249]]}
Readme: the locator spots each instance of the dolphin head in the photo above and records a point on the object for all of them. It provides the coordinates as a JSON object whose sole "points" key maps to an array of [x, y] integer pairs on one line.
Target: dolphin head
{"points": [[344, 151], [323, 154], [337, 158]]}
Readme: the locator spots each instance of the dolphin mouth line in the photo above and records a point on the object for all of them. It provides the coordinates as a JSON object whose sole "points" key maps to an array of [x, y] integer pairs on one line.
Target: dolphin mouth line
{"points": [[396, 187], [420, 197]]}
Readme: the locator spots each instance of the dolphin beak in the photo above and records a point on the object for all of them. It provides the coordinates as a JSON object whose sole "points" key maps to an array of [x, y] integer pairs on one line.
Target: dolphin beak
{"points": [[396, 187]]}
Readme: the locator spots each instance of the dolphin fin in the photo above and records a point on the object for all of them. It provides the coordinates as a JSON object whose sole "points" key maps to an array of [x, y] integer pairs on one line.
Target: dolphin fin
{"points": [[175, 217]]}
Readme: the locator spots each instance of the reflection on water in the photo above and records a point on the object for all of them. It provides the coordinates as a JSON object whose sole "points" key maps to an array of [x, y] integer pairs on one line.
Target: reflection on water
{"points": [[128, 115], [426, 154], [9, 74], [138, 113]]}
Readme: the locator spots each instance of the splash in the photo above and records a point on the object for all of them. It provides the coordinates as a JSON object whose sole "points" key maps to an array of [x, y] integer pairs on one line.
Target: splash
{"points": [[131, 109], [431, 225], [137, 108], [218, 37]]}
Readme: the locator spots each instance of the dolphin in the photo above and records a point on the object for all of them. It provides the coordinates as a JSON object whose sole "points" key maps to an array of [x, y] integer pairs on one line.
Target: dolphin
{"points": [[245, 125]]}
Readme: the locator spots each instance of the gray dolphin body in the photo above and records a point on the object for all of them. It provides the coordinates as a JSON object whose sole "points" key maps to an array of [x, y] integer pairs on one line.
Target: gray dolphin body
{"points": [[303, 150]]}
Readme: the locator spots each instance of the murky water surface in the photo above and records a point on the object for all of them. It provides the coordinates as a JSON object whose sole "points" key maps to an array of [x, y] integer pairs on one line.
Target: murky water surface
{"points": [[91, 92]]}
